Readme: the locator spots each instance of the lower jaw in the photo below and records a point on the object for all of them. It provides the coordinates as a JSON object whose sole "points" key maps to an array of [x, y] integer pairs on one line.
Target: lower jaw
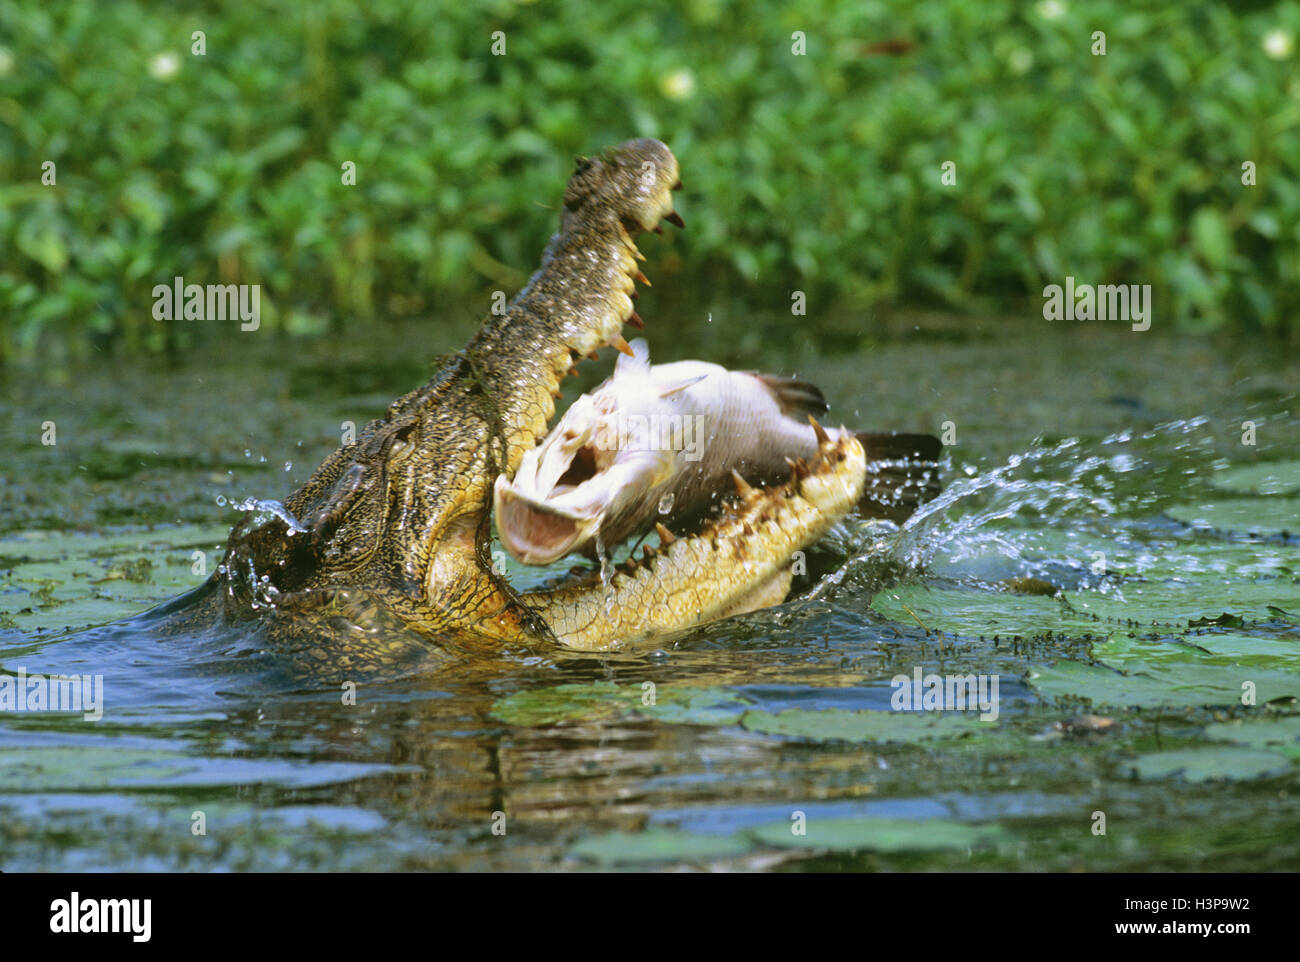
{"points": [[738, 562]]}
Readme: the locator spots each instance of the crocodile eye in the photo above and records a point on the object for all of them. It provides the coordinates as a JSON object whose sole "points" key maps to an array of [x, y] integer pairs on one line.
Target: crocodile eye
{"points": [[400, 449], [399, 444]]}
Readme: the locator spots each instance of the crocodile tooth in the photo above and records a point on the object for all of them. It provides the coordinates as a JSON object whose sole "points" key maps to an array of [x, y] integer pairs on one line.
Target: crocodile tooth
{"points": [[742, 486], [643, 279], [657, 229], [675, 218], [573, 372], [822, 436], [621, 345], [635, 320], [593, 356], [677, 186], [748, 530], [648, 552], [666, 537]]}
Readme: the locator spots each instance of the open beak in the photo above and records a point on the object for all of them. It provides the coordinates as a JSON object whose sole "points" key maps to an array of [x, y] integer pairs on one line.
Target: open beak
{"points": [[536, 533]]}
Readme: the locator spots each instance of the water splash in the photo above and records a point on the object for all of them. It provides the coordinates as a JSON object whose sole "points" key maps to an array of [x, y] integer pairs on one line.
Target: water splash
{"points": [[1042, 512], [270, 507]]}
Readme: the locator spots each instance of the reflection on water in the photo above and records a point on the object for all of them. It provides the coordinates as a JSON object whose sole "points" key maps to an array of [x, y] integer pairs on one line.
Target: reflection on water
{"points": [[557, 760]]}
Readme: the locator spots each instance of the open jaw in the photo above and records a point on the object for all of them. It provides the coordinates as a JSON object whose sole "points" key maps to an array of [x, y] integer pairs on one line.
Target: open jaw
{"points": [[738, 561]]}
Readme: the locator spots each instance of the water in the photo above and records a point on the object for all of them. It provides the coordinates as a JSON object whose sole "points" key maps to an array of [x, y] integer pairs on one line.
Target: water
{"points": [[1101, 516]]}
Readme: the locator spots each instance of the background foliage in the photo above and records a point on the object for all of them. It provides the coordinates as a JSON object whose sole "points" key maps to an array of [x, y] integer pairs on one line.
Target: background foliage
{"points": [[819, 172]]}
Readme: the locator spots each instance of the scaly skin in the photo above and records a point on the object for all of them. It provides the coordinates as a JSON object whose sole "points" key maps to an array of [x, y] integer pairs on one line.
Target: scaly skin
{"points": [[388, 555]]}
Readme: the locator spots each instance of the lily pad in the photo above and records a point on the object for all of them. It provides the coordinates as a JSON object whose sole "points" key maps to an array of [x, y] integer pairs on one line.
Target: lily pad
{"points": [[1178, 686], [66, 768], [1224, 649], [1262, 516], [695, 706], [1281, 735], [1187, 596], [1211, 764], [1278, 477], [863, 726], [879, 835], [974, 611], [658, 845], [53, 579]]}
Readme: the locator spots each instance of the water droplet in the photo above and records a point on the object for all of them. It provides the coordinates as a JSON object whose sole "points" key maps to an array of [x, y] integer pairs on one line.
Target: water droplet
{"points": [[221, 500], [606, 569], [288, 465], [666, 502]]}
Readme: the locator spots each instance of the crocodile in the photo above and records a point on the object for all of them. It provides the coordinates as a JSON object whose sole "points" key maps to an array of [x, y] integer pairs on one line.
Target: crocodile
{"points": [[384, 550]]}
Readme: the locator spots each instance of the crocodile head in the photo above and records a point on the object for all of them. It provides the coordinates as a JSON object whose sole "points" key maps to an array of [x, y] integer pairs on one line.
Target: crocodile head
{"points": [[390, 531]]}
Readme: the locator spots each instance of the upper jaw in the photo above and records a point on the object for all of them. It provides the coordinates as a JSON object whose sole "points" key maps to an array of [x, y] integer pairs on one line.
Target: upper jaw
{"points": [[626, 191], [576, 303]]}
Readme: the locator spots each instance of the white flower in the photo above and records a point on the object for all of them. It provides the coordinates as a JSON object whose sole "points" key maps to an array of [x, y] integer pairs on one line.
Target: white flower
{"points": [[678, 85], [1277, 44], [165, 65], [1050, 9]]}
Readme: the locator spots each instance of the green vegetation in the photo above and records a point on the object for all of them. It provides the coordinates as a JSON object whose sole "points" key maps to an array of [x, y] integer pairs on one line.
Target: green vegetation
{"points": [[818, 172]]}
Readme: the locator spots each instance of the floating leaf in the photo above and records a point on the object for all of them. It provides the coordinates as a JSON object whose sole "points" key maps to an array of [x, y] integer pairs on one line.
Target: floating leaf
{"points": [[1210, 764], [1278, 477], [658, 845], [67, 768], [1260, 516], [1181, 685], [1281, 735], [879, 835], [1226, 649], [864, 726]]}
